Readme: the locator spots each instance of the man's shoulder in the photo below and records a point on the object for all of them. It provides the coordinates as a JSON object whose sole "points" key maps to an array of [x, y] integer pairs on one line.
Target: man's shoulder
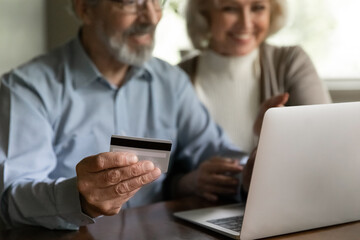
{"points": [[167, 78], [42, 76], [42, 66], [160, 65], [165, 71]]}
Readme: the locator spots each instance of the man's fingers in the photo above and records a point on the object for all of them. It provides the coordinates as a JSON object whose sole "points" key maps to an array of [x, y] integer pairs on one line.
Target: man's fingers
{"points": [[133, 183], [123, 188], [106, 181], [107, 160], [116, 175]]}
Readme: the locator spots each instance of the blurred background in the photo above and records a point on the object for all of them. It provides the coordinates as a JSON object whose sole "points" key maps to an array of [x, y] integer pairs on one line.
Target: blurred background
{"points": [[326, 29]]}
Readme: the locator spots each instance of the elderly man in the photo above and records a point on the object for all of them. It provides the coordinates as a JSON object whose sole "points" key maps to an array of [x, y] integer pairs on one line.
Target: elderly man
{"points": [[59, 111]]}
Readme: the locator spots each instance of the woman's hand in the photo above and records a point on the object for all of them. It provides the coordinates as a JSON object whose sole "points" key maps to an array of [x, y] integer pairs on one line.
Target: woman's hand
{"points": [[213, 178], [248, 169], [276, 101]]}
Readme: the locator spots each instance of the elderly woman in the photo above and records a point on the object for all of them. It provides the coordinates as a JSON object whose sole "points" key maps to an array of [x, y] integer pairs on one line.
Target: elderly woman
{"points": [[238, 76]]}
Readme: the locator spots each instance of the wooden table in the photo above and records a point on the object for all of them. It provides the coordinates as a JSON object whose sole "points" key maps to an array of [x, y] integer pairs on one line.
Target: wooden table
{"points": [[156, 222]]}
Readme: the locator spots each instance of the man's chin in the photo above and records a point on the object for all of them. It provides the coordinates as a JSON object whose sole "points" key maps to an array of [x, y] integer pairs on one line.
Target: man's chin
{"points": [[136, 56], [131, 53]]}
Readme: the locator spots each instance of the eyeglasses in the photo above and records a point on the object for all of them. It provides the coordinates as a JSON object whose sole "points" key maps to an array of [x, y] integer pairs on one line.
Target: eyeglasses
{"points": [[133, 6]]}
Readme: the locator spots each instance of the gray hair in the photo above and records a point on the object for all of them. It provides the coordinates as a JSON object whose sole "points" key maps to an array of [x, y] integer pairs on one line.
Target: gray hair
{"points": [[198, 23]]}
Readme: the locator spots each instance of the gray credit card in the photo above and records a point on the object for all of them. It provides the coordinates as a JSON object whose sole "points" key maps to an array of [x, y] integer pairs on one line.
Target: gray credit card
{"points": [[155, 150]]}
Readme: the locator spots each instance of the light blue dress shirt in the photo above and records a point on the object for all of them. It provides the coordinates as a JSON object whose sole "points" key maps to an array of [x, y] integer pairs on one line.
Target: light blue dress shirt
{"points": [[58, 109]]}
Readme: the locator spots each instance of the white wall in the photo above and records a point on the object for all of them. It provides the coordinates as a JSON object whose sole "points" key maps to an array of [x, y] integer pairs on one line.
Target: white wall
{"points": [[22, 31]]}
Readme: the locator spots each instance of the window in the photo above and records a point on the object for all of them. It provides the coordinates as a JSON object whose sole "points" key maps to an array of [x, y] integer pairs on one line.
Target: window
{"points": [[326, 29], [171, 35]]}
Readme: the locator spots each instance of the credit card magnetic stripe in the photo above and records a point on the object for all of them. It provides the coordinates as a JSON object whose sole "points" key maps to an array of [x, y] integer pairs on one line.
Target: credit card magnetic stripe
{"points": [[135, 143]]}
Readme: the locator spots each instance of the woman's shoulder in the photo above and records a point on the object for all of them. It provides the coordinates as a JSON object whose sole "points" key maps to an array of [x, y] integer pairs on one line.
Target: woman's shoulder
{"points": [[189, 64], [283, 52]]}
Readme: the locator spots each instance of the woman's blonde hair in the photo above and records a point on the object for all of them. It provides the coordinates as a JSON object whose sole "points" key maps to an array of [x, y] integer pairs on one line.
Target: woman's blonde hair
{"points": [[198, 26]]}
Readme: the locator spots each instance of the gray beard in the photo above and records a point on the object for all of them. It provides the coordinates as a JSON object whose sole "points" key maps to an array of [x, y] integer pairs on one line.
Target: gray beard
{"points": [[122, 52]]}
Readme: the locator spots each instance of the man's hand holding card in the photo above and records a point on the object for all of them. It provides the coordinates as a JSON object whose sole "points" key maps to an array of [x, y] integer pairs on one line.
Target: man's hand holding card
{"points": [[107, 180]]}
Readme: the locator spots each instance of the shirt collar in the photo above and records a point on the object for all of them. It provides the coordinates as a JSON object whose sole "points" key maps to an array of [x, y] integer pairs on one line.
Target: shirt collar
{"points": [[144, 72], [85, 71]]}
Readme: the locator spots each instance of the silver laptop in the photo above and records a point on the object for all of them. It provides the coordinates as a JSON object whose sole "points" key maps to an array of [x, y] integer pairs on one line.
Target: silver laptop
{"points": [[306, 175]]}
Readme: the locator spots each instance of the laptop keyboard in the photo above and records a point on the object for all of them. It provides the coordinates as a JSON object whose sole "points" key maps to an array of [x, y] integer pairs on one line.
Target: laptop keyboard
{"points": [[232, 223]]}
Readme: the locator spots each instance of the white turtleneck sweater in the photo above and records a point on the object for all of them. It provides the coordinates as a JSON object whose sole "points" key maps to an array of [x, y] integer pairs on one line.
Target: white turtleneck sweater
{"points": [[230, 88]]}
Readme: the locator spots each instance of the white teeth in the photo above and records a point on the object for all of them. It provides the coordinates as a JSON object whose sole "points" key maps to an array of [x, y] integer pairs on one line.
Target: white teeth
{"points": [[243, 36]]}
